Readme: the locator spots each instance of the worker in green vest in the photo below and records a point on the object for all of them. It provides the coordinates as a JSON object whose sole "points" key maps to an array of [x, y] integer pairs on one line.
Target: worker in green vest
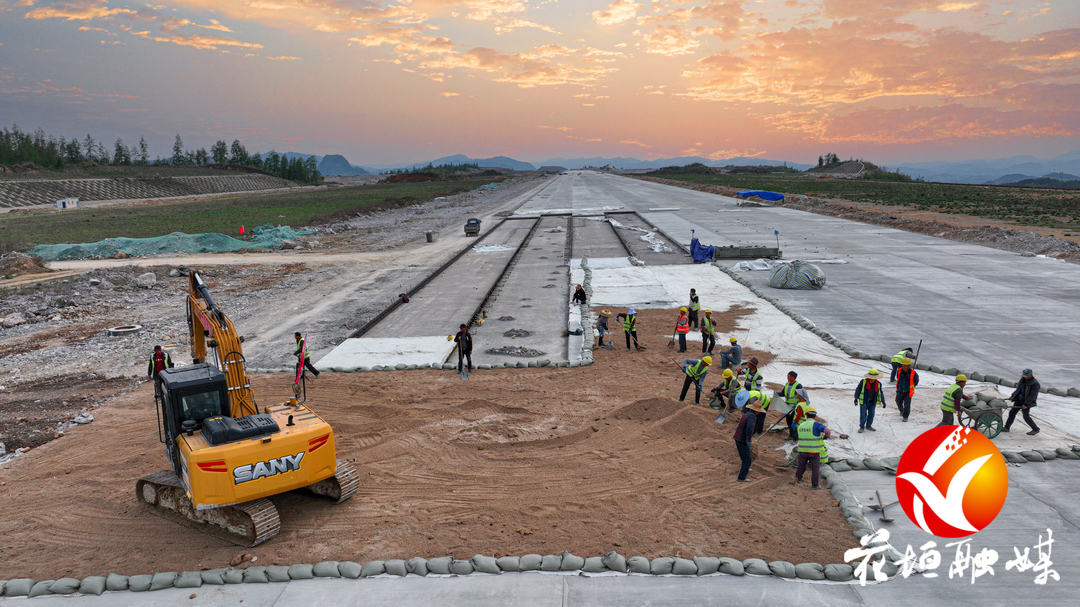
{"points": [[812, 437], [898, 361], [708, 334], [868, 395], [754, 379], [758, 394], [630, 327], [725, 393], [695, 305], [695, 371], [797, 400], [954, 397]]}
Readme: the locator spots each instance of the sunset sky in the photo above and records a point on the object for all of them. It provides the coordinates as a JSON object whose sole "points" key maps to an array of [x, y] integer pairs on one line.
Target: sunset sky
{"points": [[402, 81]]}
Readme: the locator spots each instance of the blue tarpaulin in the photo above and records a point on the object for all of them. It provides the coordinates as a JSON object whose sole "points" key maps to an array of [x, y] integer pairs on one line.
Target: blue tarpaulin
{"points": [[701, 253], [762, 194]]}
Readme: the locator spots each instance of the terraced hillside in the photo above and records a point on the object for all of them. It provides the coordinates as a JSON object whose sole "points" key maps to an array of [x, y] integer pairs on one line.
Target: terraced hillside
{"points": [[38, 192]]}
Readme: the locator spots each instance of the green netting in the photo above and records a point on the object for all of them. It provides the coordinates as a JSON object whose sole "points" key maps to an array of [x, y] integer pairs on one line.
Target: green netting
{"points": [[265, 237]]}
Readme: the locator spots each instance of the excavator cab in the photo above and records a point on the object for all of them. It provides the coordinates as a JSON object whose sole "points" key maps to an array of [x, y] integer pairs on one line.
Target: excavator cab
{"points": [[190, 395]]}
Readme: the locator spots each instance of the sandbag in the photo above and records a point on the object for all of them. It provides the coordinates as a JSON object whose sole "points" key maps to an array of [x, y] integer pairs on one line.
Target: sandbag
{"points": [[1065, 453], [274, 573], [571, 562], [1013, 458], [661, 565], [682, 566], [638, 564], [214, 577], [1033, 456], [349, 569], [508, 563], [798, 274], [326, 569], [393, 567], [809, 571], [301, 572], [874, 464], [161, 581], [440, 565], [840, 572], [731, 566], [65, 585], [707, 564], [594, 564], [41, 588], [373, 568], [114, 582], [22, 587], [551, 562], [782, 569], [840, 466], [614, 561], [95, 585], [1047, 454], [461, 567], [757, 567], [417, 565], [140, 583], [256, 575], [485, 564], [530, 562]]}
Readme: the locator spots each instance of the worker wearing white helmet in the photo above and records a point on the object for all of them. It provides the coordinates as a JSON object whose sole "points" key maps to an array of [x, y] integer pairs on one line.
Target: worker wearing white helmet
{"points": [[708, 335], [630, 327], [695, 371]]}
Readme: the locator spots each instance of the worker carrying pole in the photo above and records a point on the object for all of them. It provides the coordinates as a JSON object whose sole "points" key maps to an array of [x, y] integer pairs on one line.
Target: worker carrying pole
{"points": [[695, 371]]}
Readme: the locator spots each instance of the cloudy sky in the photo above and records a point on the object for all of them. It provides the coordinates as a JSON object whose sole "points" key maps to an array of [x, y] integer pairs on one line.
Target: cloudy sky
{"points": [[410, 80]]}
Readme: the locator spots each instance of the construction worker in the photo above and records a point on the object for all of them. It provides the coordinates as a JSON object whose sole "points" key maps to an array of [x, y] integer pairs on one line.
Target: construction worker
{"points": [[754, 379], [764, 400], [906, 380], [159, 361], [797, 400], [725, 393], [601, 328], [953, 398], [868, 395], [812, 437], [464, 348], [695, 305], [1023, 399], [579, 296], [898, 361], [630, 327], [744, 436], [708, 336], [301, 350], [695, 371], [732, 357], [682, 327]]}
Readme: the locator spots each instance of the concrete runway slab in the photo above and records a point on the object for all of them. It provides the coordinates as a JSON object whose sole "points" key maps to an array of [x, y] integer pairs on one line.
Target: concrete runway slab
{"points": [[594, 238]]}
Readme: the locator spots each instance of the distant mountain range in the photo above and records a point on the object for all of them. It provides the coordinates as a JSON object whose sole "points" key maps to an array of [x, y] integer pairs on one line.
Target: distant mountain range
{"points": [[996, 171], [597, 161]]}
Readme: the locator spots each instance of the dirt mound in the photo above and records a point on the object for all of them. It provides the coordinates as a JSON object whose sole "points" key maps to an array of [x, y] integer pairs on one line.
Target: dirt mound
{"points": [[650, 409], [412, 178], [16, 263]]}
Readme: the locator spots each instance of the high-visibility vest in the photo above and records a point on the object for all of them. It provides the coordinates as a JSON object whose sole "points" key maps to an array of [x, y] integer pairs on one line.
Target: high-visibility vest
{"points": [[731, 385], [694, 304], [752, 379], [790, 397], [823, 456], [684, 324], [706, 326], [628, 322], [808, 441], [860, 395], [751, 394], [899, 356], [948, 402], [697, 370]]}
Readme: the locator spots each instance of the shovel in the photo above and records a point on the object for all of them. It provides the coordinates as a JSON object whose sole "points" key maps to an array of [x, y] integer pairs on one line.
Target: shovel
{"points": [[882, 506], [721, 418], [464, 375], [671, 343]]}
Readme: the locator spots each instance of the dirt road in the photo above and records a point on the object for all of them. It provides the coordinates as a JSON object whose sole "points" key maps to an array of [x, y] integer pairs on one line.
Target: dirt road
{"points": [[510, 462]]}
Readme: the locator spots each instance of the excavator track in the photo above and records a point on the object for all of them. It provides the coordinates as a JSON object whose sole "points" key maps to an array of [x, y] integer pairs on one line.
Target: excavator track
{"points": [[343, 485], [247, 524]]}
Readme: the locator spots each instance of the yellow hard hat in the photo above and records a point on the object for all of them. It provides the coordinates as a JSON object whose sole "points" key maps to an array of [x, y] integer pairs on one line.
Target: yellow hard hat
{"points": [[449, 338], [728, 374], [682, 309], [905, 361], [707, 360], [961, 377], [733, 340], [708, 310], [811, 411]]}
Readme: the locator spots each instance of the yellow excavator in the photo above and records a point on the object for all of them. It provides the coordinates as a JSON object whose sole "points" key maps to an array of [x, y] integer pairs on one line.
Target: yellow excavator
{"points": [[227, 457]]}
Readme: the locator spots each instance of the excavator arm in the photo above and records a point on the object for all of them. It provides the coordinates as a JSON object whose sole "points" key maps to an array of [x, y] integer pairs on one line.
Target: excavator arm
{"points": [[209, 327]]}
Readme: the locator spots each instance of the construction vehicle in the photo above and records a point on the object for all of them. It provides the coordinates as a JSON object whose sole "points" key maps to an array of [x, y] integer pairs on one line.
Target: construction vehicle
{"points": [[226, 456], [472, 227]]}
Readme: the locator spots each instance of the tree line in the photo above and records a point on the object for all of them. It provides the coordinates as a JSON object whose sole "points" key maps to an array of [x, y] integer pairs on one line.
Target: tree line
{"points": [[17, 147]]}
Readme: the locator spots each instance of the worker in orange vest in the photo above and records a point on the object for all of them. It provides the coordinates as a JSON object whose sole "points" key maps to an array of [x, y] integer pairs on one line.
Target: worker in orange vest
{"points": [[682, 328]]}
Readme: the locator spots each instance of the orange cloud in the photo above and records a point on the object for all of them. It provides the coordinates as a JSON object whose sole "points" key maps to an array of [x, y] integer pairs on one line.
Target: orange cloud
{"points": [[284, 58], [85, 10], [616, 13], [637, 143], [670, 41], [520, 23], [206, 43]]}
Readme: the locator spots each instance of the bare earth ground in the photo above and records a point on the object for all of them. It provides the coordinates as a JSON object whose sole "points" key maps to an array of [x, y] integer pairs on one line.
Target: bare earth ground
{"points": [[511, 462]]}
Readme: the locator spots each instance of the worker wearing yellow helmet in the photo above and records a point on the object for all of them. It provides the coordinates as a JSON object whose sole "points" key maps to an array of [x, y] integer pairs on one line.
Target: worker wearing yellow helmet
{"points": [[906, 380], [695, 371], [682, 328], [725, 393], [812, 435], [954, 396], [708, 336], [732, 357]]}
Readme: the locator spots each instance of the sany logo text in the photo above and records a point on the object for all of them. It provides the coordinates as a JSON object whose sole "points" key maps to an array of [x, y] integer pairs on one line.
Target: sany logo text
{"points": [[270, 467]]}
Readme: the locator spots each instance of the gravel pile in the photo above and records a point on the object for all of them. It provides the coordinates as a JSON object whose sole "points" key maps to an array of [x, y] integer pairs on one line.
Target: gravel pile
{"points": [[516, 351]]}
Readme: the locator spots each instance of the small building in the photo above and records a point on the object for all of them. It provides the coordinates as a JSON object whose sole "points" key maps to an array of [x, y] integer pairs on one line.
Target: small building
{"points": [[551, 169], [67, 203]]}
